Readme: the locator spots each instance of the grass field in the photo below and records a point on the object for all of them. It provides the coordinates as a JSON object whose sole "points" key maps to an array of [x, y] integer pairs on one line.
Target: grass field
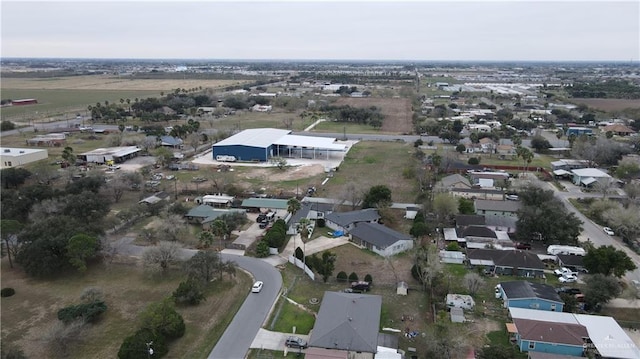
{"points": [[27, 316], [375, 163], [607, 104], [61, 95]]}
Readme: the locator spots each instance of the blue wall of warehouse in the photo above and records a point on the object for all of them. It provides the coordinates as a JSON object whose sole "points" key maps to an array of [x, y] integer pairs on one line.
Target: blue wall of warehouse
{"points": [[242, 153]]}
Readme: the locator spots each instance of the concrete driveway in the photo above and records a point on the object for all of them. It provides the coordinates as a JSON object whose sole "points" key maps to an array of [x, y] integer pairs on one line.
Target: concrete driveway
{"points": [[266, 339]]}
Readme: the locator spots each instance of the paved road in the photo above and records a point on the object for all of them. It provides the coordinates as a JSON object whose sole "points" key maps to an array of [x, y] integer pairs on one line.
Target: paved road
{"points": [[237, 338]]}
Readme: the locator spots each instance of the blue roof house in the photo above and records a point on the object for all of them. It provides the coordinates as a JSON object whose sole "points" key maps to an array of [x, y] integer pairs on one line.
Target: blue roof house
{"points": [[528, 295]]}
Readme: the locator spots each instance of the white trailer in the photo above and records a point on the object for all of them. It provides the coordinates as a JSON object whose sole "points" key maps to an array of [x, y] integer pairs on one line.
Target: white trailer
{"points": [[225, 158], [571, 250]]}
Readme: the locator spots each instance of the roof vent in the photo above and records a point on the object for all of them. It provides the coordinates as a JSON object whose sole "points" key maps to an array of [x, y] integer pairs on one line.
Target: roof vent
{"points": [[6, 150]]}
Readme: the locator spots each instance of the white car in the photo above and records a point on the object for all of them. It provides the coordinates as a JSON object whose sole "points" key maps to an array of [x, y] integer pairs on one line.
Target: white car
{"points": [[568, 278], [564, 271], [257, 287], [608, 231]]}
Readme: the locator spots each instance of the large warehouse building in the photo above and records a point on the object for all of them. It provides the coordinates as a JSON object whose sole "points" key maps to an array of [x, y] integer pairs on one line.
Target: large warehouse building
{"points": [[260, 144], [16, 157]]}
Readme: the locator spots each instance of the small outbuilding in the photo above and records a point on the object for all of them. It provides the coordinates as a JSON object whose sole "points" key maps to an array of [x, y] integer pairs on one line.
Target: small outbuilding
{"points": [[461, 301], [402, 288]]}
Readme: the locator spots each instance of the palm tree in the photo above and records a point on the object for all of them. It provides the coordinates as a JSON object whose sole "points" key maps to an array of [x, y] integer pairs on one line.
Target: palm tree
{"points": [[219, 229], [293, 205], [303, 229]]}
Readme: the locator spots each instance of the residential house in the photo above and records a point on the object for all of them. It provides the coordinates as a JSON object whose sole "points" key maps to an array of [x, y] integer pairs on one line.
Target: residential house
{"points": [[454, 181], [549, 337], [346, 221], [205, 215], [525, 294], [605, 338], [569, 164], [217, 200], [155, 198], [506, 152], [573, 262], [507, 262], [170, 141], [478, 193], [348, 322], [497, 208], [487, 144], [309, 210], [380, 239], [618, 129], [589, 176]]}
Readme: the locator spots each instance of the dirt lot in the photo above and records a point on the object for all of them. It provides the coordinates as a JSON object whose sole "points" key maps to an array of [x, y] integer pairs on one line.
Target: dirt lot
{"points": [[108, 82], [608, 104], [291, 173], [396, 111]]}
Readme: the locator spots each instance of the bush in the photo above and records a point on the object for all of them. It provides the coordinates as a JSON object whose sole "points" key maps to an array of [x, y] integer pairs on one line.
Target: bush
{"points": [[353, 277], [454, 247], [262, 249], [7, 126], [299, 253], [189, 292], [162, 318], [135, 346], [342, 276], [474, 161], [368, 278], [7, 292], [320, 222], [88, 312]]}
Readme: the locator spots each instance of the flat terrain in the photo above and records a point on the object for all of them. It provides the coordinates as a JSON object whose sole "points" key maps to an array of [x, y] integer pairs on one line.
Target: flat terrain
{"points": [[396, 111], [28, 315], [608, 104]]}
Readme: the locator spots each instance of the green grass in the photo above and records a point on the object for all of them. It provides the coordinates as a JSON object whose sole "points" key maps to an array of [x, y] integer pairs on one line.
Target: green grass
{"points": [[58, 101], [262, 353], [341, 127], [293, 316]]}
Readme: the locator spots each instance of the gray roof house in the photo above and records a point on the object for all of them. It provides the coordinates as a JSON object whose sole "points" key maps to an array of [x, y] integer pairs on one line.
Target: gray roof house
{"points": [[309, 210], [346, 221], [507, 262], [348, 321], [205, 214], [452, 181], [497, 208], [380, 239]]}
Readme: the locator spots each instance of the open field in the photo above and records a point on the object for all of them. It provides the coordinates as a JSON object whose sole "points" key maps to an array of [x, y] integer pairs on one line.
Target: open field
{"points": [[397, 111], [28, 314], [608, 104], [59, 95], [375, 163]]}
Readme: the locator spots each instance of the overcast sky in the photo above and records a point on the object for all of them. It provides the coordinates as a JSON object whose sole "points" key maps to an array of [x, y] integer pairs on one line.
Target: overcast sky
{"points": [[358, 30]]}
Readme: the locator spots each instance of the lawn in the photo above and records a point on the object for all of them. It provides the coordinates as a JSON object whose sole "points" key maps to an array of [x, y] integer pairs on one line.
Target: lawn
{"points": [[376, 163], [291, 316], [29, 314]]}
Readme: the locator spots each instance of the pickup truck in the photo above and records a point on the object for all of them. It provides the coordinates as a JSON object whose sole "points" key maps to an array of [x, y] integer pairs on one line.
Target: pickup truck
{"points": [[564, 271]]}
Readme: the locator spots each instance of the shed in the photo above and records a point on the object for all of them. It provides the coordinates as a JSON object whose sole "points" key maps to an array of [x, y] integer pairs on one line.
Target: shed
{"points": [[457, 315], [402, 288]]}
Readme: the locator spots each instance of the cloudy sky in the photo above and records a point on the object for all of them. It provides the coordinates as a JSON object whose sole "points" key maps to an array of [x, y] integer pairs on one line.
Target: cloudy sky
{"points": [[358, 30]]}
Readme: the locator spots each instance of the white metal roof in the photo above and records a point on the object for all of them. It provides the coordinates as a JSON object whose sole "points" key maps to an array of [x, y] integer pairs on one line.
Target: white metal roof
{"points": [[587, 181], [255, 137], [326, 143], [590, 172], [561, 172], [14, 151]]}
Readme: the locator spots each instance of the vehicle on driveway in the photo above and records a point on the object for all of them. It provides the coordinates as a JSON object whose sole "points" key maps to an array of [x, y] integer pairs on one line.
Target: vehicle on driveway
{"points": [[360, 286], [296, 342], [608, 231], [569, 290], [523, 245], [257, 287], [568, 278], [564, 271]]}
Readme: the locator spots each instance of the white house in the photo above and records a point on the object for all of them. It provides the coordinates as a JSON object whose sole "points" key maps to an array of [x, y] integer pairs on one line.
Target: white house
{"points": [[380, 239]]}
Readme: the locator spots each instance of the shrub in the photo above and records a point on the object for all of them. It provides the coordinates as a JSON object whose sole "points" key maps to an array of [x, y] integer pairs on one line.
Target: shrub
{"points": [[474, 161], [299, 253], [7, 292], [189, 292], [342, 276], [353, 277], [368, 278], [88, 312], [162, 318], [262, 249], [135, 346], [7, 126], [320, 222], [454, 247]]}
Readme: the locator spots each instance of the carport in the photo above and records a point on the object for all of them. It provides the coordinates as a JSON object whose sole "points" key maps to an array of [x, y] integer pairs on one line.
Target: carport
{"points": [[294, 146]]}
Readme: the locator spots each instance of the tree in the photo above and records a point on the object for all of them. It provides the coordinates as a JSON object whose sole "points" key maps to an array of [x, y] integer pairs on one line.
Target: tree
{"points": [[461, 148], [419, 229], [137, 345], [204, 266], [608, 260], [323, 266], [68, 156], [162, 255], [600, 289], [279, 162], [627, 169], [427, 267], [163, 318], [378, 196], [474, 138], [189, 292], [80, 248], [473, 282], [444, 206], [293, 206], [14, 177], [9, 230], [163, 155], [540, 144], [527, 156], [206, 238], [466, 206]]}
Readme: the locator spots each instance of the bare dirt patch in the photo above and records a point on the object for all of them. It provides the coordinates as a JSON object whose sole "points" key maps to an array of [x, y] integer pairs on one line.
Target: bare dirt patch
{"points": [[396, 111], [608, 104], [291, 173]]}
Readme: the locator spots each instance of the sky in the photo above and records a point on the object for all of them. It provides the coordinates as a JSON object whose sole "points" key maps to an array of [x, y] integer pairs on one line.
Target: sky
{"points": [[509, 30]]}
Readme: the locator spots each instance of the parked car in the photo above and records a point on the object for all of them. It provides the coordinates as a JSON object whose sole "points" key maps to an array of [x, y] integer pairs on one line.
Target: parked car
{"points": [[512, 197], [523, 246], [361, 286], [296, 342], [564, 271], [608, 231], [263, 225], [569, 290], [257, 287], [568, 279], [262, 217]]}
